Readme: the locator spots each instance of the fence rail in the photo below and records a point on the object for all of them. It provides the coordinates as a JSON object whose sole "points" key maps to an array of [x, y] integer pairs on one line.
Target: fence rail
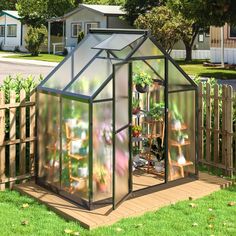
{"points": [[17, 136], [216, 132]]}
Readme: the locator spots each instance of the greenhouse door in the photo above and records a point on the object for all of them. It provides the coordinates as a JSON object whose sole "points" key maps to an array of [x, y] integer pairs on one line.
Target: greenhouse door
{"points": [[122, 186]]}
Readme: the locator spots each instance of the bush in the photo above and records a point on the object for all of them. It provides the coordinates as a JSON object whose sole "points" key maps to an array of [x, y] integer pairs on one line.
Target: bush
{"points": [[36, 36], [80, 36]]}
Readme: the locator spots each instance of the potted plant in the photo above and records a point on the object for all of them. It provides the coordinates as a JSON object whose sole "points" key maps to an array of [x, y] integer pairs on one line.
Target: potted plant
{"points": [[181, 159], [101, 179], [181, 137], [83, 170], [135, 152], [135, 106], [142, 81], [176, 118], [136, 130], [156, 112]]}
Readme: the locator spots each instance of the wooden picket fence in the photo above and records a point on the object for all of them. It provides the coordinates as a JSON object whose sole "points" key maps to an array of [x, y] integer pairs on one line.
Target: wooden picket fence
{"points": [[17, 137], [216, 128]]}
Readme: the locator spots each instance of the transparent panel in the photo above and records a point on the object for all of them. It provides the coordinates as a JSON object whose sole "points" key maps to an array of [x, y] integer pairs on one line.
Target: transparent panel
{"points": [[75, 148], [181, 134], [121, 95], [148, 48], [102, 150], [63, 75], [176, 79], [49, 139], [118, 41], [92, 78], [121, 165], [106, 92]]}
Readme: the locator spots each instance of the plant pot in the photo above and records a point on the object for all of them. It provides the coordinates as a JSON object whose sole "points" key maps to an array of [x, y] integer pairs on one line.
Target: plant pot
{"points": [[102, 187], [159, 167], [136, 110], [181, 159], [136, 134], [83, 171], [141, 89], [176, 124], [181, 140]]}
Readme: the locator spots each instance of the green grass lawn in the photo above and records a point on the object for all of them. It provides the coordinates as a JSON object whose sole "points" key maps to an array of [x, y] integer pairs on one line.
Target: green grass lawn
{"points": [[41, 57], [211, 215], [196, 68]]}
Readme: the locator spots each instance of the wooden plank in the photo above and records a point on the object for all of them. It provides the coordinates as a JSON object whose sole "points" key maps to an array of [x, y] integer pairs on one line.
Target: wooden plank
{"points": [[32, 134], [200, 124], [229, 128], [2, 137], [223, 128], [22, 133], [16, 141], [12, 148], [216, 124], [15, 105], [208, 122]]}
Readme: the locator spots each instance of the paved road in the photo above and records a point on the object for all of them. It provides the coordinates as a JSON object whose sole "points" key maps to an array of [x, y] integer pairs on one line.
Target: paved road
{"points": [[9, 68]]}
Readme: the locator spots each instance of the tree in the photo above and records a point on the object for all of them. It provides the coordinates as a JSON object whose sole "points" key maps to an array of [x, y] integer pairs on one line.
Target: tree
{"points": [[35, 37], [135, 8], [105, 2], [36, 12], [165, 26], [8, 5]]}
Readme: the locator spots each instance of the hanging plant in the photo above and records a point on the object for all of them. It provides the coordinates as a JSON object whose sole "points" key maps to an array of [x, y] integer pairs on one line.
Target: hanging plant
{"points": [[142, 81]]}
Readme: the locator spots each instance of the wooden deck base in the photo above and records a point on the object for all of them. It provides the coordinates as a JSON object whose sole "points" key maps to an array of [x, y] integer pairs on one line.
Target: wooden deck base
{"points": [[130, 208]]}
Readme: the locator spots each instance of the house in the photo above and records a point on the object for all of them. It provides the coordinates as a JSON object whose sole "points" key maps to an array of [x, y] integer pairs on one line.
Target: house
{"points": [[229, 44], [85, 17], [201, 47], [12, 31]]}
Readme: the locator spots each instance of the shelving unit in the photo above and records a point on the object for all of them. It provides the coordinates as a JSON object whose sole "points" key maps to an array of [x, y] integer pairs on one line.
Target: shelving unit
{"points": [[77, 157]]}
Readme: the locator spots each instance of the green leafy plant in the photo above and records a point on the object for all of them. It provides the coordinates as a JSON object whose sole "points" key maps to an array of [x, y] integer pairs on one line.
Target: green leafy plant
{"points": [[136, 130], [135, 106], [143, 79], [80, 36], [156, 112], [36, 36], [175, 114], [181, 136]]}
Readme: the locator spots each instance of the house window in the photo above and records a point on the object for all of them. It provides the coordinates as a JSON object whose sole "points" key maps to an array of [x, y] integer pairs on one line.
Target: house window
{"points": [[75, 29], [207, 32], [232, 31], [2, 30], [90, 25], [11, 31], [201, 36]]}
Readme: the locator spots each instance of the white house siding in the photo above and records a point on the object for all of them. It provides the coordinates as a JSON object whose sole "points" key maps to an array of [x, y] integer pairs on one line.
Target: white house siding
{"points": [[229, 55], [196, 54], [10, 42], [83, 16]]}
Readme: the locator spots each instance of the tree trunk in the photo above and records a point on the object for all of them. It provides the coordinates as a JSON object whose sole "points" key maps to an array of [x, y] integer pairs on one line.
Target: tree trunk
{"points": [[188, 49]]}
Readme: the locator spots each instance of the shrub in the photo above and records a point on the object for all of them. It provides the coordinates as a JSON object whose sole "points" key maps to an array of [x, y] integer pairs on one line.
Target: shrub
{"points": [[80, 36], [36, 36]]}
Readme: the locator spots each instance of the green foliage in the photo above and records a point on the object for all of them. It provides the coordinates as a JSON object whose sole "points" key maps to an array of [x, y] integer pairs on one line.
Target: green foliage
{"points": [[156, 111], [142, 78], [135, 103], [105, 2], [134, 8], [80, 36], [8, 5], [136, 128], [36, 36], [166, 26], [36, 12]]}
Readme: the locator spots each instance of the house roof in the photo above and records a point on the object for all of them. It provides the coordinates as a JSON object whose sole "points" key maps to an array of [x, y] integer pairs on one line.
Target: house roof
{"points": [[101, 9], [13, 14]]}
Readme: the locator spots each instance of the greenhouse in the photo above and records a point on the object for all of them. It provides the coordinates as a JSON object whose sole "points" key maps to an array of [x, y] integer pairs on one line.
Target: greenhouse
{"points": [[116, 117]]}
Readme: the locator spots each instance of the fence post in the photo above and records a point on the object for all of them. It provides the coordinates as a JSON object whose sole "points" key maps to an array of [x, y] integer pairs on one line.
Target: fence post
{"points": [[12, 149], [2, 138], [223, 128], [200, 121], [208, 122], [229, 134], [216, 123], [32, 133], [22, 133]]}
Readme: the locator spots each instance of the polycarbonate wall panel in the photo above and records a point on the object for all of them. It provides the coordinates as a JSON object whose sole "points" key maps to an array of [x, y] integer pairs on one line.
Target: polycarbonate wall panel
{"points": [[118, 41], [106, 93], [75, 148], [102, 150], [48, 132], [148, 48], [92, 78], [121, 165], [181, 134], [176, 79], [121, 95]]}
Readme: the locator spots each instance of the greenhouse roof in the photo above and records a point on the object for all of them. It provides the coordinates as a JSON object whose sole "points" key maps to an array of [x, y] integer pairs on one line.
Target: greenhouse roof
{"points": [[89, 68]]}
